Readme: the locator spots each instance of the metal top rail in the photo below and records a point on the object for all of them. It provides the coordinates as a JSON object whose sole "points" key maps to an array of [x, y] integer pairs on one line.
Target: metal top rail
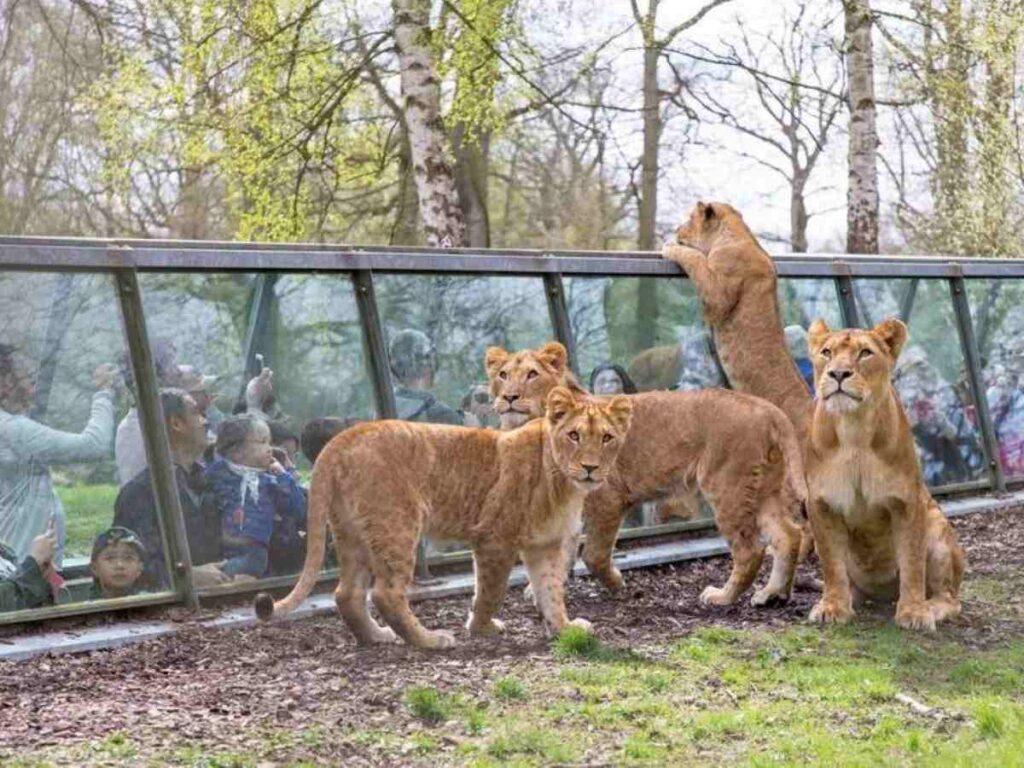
{"points": [[98, 254]]}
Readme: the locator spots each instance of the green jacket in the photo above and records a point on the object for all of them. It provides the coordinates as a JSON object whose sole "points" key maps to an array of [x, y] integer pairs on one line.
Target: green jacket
{"points": [[25, 588]]}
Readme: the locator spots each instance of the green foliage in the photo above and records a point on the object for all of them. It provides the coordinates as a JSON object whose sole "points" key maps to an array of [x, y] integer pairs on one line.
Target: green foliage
{"points": [[428, 704], [509, 689], [576, 642]]}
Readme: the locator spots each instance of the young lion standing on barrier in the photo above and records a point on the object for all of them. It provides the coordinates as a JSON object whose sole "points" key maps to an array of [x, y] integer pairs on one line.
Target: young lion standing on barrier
{"points": [[383, 484]]}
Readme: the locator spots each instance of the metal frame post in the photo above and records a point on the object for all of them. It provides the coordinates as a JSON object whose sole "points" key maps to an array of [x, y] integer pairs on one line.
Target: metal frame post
{"points": [[844, 292], [559, 312], [972, 359], [256, 329], [158, 449]]}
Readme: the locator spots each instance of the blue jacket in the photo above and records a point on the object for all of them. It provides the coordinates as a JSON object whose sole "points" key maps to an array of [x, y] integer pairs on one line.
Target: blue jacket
{"points": [[252, 518]]}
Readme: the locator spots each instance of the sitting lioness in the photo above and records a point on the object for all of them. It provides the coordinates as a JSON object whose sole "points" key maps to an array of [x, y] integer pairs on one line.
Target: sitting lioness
{"points": [[879, 534], [741, 452], [383, 484]]}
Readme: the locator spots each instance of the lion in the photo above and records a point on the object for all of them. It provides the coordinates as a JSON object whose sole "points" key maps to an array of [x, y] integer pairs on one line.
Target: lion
{"points": [[740, 451], [383, 484], [736, 282], [878, 532]]}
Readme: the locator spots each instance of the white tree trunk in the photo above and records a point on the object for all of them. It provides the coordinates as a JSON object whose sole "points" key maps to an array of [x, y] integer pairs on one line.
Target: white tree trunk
{"points": [[862, 195], [421, 92]]}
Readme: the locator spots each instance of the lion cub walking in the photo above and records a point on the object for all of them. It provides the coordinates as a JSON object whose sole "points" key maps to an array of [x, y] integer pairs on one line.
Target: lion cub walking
{"points": [[879, 534], [383, 484], [740, 451]]}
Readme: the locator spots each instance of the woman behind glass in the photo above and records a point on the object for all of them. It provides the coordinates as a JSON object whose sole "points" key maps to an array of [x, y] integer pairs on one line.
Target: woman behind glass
{"points": [[611, 379], [28, 448]]}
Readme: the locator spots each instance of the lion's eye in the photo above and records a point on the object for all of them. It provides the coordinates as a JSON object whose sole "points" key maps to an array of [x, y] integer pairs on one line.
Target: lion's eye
{"points": [[574, 436], [532, 375], [864, 354], [503, 376], [607, 439], [827, 354]]}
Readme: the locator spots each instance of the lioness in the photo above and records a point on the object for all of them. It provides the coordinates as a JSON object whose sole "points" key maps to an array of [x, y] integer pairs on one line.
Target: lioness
{"points": [[383, 484], [737, 285], [879, 534], [740, 451]]}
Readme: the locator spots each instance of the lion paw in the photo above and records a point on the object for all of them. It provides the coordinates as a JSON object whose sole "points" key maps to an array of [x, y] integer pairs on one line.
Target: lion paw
{"points": [[613, 579], [384, 635], [828, 612], [582, 624], [916, 616], [438, 640], [944, 609], [715, 596], [491, 627], [766, 597]]}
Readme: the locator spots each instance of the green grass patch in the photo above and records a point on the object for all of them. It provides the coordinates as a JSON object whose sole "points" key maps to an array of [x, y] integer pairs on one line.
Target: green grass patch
{"points": [[509, 689], [428, 704], [88, 509], [576, 642]]}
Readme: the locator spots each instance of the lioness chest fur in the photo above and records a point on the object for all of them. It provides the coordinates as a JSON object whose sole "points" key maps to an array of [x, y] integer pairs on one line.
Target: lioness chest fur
{"points": [[381, 485]]}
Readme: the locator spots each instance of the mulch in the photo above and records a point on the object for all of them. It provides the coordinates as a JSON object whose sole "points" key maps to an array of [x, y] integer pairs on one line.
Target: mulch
{"points": [[215, 687]]}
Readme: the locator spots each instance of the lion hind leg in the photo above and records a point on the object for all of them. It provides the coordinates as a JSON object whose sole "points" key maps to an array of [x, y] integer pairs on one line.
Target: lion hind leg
{"points": [[602, 517], [350, 597], [785, 537], [944, 572], [393, 561]]}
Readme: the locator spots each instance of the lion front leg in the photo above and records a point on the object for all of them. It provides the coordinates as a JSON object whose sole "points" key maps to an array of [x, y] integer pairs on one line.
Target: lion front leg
{"points": [[491, 568], [716, 298], [831, 539], [546, 569], [909, 529], [603, 512], [945, 566]]}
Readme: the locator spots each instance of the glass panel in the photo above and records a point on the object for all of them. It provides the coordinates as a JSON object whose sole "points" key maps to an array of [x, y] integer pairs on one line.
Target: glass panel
{"points": [[997, 310], [930, 375], [61, 353], [651, 330], [437, 329], [801, 302]]}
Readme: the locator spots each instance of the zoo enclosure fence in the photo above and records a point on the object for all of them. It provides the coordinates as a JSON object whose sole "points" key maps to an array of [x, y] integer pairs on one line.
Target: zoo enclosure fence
{"points": [[325, 314]]}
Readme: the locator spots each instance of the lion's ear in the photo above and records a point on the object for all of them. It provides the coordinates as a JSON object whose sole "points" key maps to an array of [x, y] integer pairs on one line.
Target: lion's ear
{"points": [[620, 412], [494, 358], [816, 335], [561, 403], [706, 211], [893, 334], [554, 354]]}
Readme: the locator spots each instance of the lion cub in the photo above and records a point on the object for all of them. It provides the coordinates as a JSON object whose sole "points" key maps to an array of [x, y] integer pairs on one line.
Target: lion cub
{"points": [[383, 484], [740, 451], [879, 534]]}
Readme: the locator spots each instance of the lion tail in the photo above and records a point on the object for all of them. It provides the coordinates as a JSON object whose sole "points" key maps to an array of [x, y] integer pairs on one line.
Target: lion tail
{"points": [[792, 456], [316, 538]]}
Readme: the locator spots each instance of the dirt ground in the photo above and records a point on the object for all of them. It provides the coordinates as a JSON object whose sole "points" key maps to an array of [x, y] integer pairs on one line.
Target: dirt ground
{"points": [[218, 687]]}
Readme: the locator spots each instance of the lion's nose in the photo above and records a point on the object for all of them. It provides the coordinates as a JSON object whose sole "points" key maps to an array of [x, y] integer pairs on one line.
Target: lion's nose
{"points": [[589, 468], [511, 398], [840, 374]]}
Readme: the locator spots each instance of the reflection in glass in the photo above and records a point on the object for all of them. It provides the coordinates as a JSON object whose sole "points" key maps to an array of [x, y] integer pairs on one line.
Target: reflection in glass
{"points": [[59, 349], [997, 310], [930, 375], [801, 302]]}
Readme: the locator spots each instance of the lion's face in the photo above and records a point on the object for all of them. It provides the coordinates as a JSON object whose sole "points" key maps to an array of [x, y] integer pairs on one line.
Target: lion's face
{"points": [[586, 434], [520, 382], [853, 367], [702, 227]]}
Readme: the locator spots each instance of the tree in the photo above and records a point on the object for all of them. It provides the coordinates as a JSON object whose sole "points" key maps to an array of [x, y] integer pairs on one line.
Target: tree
{"points": [[862, 193], [441, 213]]}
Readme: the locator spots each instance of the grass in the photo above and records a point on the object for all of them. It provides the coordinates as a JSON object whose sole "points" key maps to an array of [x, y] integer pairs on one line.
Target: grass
{"points": [[428, 704], [88, 509], [509, 689]]}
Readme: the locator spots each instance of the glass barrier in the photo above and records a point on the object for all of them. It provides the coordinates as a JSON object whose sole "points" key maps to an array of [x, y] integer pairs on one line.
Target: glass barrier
{"points": [[62, 371], [997, 312], [930, 375], [649, 333], [801, 302]]}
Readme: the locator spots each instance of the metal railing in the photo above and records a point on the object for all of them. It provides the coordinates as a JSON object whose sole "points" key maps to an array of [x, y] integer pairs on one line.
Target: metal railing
{"points": [[126, 259]]}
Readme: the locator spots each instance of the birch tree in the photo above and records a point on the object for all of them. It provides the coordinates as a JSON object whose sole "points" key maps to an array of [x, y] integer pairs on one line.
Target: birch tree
{"points": [[862, 193]]}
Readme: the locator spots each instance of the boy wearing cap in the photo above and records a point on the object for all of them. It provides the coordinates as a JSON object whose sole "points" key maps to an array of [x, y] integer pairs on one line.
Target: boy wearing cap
{"points": [[117, 563]]}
